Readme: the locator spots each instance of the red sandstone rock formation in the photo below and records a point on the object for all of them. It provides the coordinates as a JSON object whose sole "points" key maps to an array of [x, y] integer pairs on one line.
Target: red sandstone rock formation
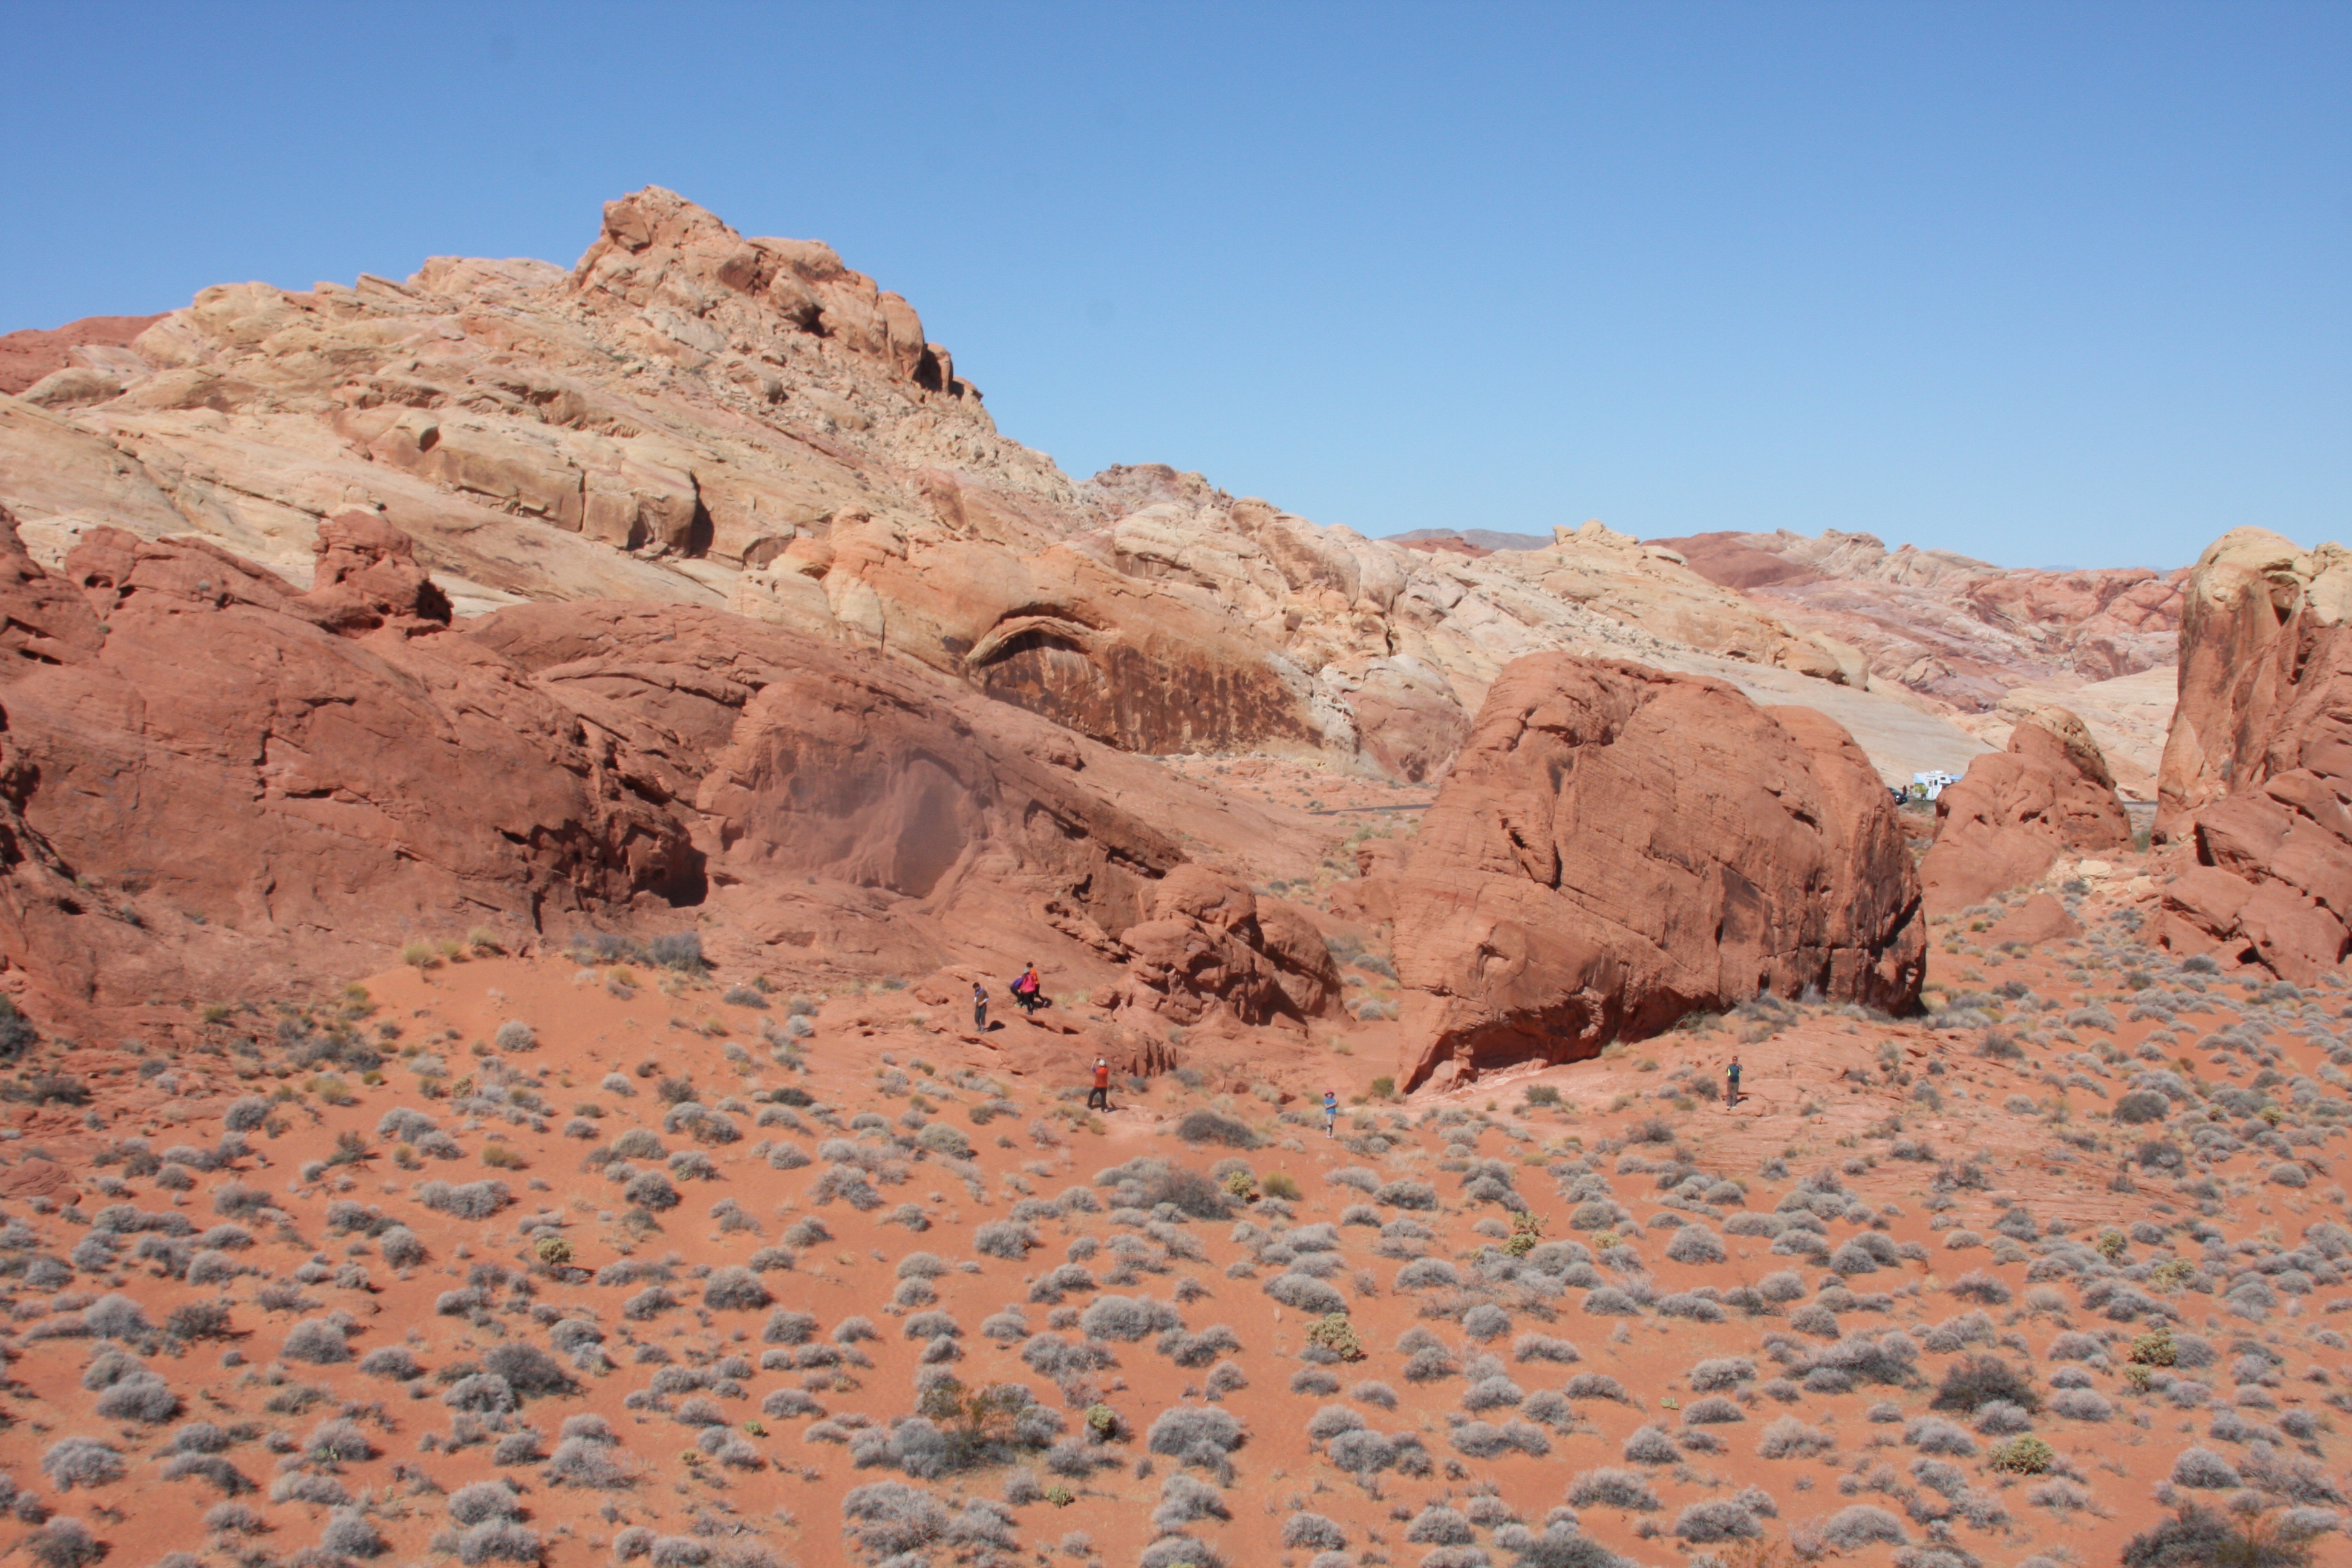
{"points": [[1616, 847], [28, 356], [2258, 766], [2017, 810]]}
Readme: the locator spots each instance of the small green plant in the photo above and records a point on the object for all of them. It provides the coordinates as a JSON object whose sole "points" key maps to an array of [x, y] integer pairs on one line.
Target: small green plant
{"points": [[418, 956], [1337, 1335], [332, 1089], [1241, 1186], [1384, 1088], [2024, 1455], [1526, 1232], [2172, 1274], [1060, 1496], [2139, 1379], [1281, 1185], [1102, 1421], [552, 1250], [2112, 1243], [498, 1157], [1543, 1094], [1605, 1240], [2156, 1348]]}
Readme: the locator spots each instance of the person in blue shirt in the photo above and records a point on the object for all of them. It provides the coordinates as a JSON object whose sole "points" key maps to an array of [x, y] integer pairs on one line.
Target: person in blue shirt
{"points": [[1330, 1113], [1731, 1077]]}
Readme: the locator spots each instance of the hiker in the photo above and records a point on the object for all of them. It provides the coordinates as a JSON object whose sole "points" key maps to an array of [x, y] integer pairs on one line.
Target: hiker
{"points": [[1099, 1099], [979, 1008], [1330, 1114], [1028, 993], [1731, 1074]]}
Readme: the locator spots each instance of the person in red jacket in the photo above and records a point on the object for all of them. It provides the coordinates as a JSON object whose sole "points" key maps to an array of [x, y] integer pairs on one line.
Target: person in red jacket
{"points": [[1100, 1099]]}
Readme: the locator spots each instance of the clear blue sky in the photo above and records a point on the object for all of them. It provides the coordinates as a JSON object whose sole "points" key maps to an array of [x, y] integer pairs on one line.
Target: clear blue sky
{"points": [[2044, 283]]}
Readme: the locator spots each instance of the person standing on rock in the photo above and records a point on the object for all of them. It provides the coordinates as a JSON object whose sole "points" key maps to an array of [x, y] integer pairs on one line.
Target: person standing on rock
{"points": [[979, 1008], [1731, 1079], [1099, 1097], [1330, 1114], [1028, 990]]}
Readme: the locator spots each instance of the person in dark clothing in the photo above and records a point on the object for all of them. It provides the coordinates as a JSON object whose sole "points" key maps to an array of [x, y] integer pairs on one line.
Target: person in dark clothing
{"points": [[1731, 1077], [1099, 1097], [978, 1006]]}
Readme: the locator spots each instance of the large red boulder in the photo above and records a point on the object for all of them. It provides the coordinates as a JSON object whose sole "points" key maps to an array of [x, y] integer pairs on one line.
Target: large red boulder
{"points": [[2258, 765], [2018, 810], [1616, 847]]}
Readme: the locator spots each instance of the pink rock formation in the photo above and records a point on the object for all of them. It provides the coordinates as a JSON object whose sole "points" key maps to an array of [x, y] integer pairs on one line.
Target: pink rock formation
{"points": [[2017, 810], [1616, 847], [2258, 767]]}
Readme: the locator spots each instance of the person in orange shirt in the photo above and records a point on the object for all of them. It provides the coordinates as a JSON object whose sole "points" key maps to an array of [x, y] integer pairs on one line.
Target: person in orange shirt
{"points": [[1100, 1099]]}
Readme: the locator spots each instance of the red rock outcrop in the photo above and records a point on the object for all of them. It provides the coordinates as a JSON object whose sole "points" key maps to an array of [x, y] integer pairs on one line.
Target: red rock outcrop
{"points": [[214, 783], [1617, 847], [1210, 942], [2258, 766], [2017, 810], [28, 356]]}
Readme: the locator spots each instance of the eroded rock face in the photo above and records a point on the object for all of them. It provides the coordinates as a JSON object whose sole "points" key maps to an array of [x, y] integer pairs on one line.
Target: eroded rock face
{"points": [[1616, 847], [2258, 766], [2017, 810], [212, 780], [1209, 943]]}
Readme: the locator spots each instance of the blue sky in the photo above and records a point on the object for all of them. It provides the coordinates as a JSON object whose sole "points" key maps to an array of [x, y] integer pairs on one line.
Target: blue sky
{"points": [[2043, 283]]}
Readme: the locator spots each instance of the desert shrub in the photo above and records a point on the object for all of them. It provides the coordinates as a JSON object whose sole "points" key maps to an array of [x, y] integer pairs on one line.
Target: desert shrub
{"points": [[1790, 1438], [1722, 1519], [1485, 1321], [888, 1518], [323, 1490], [1851, 1529], [140, 1397], [1305, 1293], [481, 1393], [1695, 1244], [468, 1200], [1438, 1525], [400, 1247], [1413, 1195], [1543, 1347], [735, 1289], [2199, 1537], [1129, 1319], [1610, 1488], [1004, 1239], [235, 1519], [1314, 1532], [81, 1461], [499, 1541], [2140, 1106], [1713, 1411], [2202, 1468], [1974, 1380], [349, 1534], [318, 1341], [1595, 1385], [394, 1362], [63, 1544], [1206, 1126], [583, 1462], [246, 1115], [484, 1500], [1185, 1431], [1934, 1435], [528, 1370], [2024, 1455]]}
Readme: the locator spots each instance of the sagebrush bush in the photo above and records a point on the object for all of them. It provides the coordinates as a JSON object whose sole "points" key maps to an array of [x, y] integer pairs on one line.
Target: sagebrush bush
{"points": [[349, 1534], [1206, 1126], [1852, 1529], [1976, 1380], [1610, 1488], [736, 1288], [394, 1362], [528, 1370], [318, 1341], [81, 1461], [468, 1200], [484, 1500]]}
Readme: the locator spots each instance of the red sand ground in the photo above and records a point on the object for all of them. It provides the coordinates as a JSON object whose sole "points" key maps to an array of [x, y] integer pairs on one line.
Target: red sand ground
{"points": [[1827, 1092]]}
